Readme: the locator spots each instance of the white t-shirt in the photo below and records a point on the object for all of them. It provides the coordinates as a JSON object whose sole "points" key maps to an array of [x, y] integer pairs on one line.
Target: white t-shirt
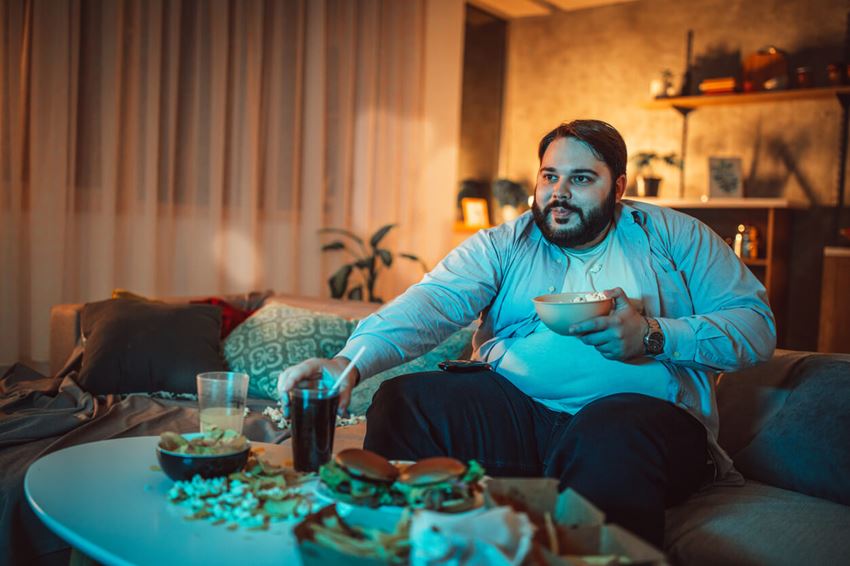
{"points": [[601, 268], [564, 373]]}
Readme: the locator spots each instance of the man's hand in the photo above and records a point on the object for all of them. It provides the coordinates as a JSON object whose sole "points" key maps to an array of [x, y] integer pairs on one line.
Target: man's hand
{"points": [[617, 336], [311, 370]]}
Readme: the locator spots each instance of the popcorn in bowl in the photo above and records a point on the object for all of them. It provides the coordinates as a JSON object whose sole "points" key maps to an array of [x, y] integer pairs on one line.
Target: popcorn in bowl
{"points": [[560, 311], [589, 297]]}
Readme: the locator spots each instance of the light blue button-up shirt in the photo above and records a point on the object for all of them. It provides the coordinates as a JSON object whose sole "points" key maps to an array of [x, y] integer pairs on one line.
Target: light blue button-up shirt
{"points": [[713, 312]]}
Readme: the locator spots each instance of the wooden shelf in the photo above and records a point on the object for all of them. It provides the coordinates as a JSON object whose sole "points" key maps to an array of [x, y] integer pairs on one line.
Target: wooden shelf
{"points": [[706, 202], [772, 219], [460, 227], [834, 331], [746, 97]]}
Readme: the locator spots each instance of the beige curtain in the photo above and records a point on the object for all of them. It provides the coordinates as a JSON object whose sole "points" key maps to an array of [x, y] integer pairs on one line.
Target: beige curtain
{"points": [[195, 147]]}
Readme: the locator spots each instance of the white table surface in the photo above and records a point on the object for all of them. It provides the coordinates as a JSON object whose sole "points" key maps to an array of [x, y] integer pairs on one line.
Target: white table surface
{"points": [[104, 499]]}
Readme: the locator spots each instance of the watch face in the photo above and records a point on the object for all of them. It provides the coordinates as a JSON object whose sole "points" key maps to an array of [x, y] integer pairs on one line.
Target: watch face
{"points": [[655, 343]]}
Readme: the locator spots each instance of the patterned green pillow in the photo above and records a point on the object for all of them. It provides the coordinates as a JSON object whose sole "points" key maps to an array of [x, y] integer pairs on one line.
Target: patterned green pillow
{"points": [[278, 336], [454, 347]]}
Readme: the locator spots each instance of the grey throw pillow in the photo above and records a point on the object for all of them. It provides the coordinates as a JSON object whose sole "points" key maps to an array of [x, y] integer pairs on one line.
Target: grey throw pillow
{"points": [[134, 346], [278, 336], [800, 440]]}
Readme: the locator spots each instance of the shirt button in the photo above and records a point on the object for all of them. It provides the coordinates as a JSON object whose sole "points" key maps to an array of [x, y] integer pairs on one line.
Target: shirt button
{"points": [[558, 260], [551, 289], [676, 354]]}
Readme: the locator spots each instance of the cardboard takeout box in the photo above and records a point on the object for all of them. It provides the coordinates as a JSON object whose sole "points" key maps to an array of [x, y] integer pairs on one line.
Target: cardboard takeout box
{"points": [[569, 528], [574, 527]]}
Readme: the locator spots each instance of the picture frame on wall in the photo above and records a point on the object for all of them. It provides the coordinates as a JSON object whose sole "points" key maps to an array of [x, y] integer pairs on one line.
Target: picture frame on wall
{"points": [[725, 177], [475, 212]]}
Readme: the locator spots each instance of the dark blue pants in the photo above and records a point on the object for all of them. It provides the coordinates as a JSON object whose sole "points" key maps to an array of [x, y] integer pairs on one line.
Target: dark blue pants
{"points": [[630, 454]]}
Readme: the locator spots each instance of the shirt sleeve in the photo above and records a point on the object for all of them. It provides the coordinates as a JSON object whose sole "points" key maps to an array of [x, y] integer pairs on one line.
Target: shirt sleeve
{"points": [[447, 299], [732, 325]]}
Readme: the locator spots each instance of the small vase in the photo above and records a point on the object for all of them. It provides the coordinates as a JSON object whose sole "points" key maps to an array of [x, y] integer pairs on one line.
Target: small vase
{"points": [[648, 186]]}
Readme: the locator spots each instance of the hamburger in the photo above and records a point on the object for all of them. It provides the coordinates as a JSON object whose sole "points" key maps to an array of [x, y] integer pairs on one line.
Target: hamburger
{"points": [[441, 484], [361, 477]]}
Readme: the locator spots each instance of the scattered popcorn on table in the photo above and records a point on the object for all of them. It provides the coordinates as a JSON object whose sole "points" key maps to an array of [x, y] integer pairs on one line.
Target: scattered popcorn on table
{"points": [[276, 416], [253, 499]]}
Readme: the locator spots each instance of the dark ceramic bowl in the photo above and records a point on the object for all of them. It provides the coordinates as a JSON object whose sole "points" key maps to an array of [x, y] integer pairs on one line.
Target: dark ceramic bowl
{"points": [[182, 467]]}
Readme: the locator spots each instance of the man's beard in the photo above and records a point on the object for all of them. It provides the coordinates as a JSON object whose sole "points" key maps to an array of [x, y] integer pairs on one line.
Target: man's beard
{"points": [[591, 224]]}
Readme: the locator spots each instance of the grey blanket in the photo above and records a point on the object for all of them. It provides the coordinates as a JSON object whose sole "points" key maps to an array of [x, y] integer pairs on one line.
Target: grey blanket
{"points": [[39, 415]]}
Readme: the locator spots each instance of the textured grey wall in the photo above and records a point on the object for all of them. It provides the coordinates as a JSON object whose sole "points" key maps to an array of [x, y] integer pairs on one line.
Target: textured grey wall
{"points": [[481, 107], [598, 63]]}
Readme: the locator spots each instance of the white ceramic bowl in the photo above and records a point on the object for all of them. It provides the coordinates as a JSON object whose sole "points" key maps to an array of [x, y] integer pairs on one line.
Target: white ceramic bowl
{"points": [[560, 310]]}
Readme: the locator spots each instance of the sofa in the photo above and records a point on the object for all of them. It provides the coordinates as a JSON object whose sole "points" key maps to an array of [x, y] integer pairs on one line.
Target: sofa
{"points": [[786, 423]]}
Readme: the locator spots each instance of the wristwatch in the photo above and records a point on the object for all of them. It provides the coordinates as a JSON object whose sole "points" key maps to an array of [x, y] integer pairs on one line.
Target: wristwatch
{"points": [[653, 340]]}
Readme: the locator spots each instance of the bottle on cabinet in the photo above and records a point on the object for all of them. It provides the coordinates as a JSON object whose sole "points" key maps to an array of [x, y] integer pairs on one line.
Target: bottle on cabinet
{"points": [[746, 242]]}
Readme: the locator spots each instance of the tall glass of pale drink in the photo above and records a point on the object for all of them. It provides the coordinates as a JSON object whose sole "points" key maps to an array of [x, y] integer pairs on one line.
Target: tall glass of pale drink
{"points": [[221, 400]]}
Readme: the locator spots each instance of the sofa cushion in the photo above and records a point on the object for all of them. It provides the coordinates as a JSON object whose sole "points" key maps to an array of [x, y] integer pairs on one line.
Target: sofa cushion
{"points": [[756, 524], [136, 346], [278, 336], [787, 422], [458, 345]]}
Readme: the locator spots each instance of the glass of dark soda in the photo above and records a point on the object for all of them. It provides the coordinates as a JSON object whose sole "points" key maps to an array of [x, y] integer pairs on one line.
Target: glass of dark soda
{"points": [[312, 409]]}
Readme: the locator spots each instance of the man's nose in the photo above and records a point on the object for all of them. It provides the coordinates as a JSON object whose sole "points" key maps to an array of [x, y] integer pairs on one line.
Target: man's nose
{"points": [[562, 190]]}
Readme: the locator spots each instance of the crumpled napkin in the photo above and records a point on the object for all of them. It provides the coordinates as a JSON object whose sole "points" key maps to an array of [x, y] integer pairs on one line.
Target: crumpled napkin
{"points": [[497, 537]]}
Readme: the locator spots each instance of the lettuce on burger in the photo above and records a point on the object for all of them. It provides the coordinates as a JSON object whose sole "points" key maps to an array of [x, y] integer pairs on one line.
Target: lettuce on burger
{"points": [[361, 477], [442, 484]]}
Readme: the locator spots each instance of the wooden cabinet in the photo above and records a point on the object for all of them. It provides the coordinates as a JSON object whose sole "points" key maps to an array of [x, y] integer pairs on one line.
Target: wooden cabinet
{"points": [[834, 334], [772, 219]]}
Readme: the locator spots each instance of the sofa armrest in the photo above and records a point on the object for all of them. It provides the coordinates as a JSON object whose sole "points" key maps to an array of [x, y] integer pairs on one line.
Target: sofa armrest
{"points": [[64, 334]]}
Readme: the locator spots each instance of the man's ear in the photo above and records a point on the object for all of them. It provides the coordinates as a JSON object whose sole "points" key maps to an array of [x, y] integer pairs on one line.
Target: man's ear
{"points": [[620, 186]]}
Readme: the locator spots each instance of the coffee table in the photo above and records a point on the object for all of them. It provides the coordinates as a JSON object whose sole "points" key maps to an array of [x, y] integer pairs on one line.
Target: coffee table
{"points": [[109, 501]]}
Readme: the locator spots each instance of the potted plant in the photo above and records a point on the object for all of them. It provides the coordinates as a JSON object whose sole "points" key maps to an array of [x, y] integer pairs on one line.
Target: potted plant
{"points": [[511, 197], [369, 261], [648, 182]]}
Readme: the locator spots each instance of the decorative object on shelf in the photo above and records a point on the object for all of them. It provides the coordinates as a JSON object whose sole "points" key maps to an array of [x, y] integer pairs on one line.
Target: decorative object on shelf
{"points": [[746, 244], [767, 69], [719, 85], [687, 77], [511, 197], [804, 77], [836, 74], [471, 188], [475, 213], [648, 182], [725, 179], [662, 87], [369, 261]]}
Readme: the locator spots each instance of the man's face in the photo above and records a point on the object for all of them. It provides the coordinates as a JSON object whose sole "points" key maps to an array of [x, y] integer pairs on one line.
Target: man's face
{"points": [[574, 196]]}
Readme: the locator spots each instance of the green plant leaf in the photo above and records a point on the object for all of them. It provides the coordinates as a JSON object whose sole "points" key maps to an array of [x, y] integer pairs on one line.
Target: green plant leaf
{"points": [[337, 245], [339, 281], [386, 256], [342, 231], [416, 259], [673, 159], [356, 294], [379, 235]]}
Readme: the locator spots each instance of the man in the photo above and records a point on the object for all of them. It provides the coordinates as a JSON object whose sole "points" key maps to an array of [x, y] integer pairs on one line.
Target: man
{"points": [[623, 409]]}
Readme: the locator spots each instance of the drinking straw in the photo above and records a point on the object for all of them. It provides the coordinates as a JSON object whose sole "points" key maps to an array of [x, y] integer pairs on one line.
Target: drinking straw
{"points": [[347, 369]]}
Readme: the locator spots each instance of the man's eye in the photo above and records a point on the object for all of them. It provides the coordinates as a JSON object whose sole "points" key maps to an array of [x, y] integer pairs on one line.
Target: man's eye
{"points": [[549, 178], [581, 179]]}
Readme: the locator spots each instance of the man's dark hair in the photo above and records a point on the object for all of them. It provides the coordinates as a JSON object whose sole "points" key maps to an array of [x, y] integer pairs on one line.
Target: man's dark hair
{"points": [[605, 141]]}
